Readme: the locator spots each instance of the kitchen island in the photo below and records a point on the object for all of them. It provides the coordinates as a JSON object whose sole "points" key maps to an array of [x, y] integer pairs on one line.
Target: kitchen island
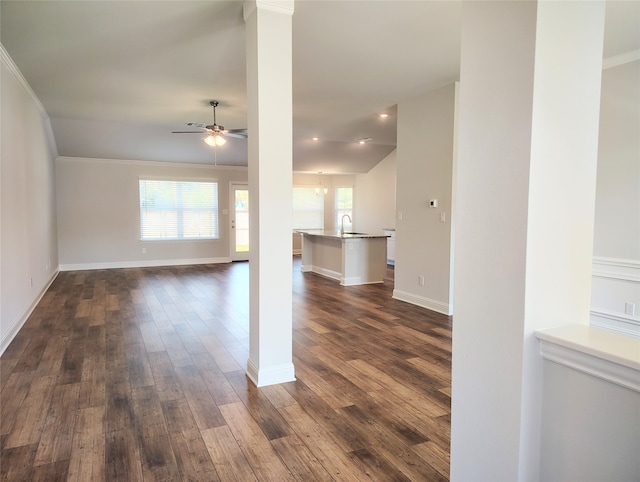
{"points": [[351, 258]]}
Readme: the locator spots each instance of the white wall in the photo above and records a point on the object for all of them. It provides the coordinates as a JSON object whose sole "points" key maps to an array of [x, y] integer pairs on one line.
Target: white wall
{"points": [[590, 428], [28, 250], [525, 199], [99, 219], [424, 172], [374, 203], [616, 250]]}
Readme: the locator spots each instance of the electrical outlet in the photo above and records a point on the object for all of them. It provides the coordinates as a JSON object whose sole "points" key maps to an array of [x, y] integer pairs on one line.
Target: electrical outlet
{"points": [[443, 217], [30, 282], [630, 308], [421, 280], [399, 215], [144, 250]]}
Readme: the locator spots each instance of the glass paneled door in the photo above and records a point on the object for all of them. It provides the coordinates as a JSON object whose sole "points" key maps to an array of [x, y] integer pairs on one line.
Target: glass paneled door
{"points": [[239, 233]]}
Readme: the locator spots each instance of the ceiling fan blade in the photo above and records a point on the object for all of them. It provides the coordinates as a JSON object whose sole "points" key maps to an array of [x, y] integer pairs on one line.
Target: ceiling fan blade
{"points": [[239, 133], [189, 132]]}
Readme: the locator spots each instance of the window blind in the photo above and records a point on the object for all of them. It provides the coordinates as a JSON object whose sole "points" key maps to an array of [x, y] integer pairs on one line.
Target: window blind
{"points": [[308, 209], [178, 209]]}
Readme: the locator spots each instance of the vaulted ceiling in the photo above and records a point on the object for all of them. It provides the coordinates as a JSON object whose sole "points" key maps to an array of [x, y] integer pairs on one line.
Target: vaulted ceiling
{"points": [[116, 77]]}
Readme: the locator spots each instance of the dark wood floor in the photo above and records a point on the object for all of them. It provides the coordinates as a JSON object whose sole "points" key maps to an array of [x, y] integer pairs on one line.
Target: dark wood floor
{"points": [[139, 374]]}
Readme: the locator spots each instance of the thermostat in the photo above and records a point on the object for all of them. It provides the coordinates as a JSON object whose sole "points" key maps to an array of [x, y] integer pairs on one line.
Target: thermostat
{"points": [[433, 203]]}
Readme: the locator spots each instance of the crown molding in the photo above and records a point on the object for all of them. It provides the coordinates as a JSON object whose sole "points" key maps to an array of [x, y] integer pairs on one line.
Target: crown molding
{"points": [[6, 59], [130, 162], [13, 68]]}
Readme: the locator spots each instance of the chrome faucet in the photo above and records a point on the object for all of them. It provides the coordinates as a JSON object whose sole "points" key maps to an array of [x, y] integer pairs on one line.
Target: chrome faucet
{"points": [[342, 223]]}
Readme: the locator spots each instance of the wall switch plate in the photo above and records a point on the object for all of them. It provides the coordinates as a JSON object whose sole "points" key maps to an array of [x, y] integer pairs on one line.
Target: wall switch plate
{"points": [[144, 250], [421, 280], [399, 215], [443, 217], [433, 203]]}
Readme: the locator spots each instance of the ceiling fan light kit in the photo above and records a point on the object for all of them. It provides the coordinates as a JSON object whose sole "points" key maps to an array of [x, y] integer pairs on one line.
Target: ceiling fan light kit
{"points": [[215, 138]]}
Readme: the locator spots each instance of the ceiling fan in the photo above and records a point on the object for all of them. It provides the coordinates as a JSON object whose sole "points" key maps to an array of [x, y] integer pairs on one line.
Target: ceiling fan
{"points": [[216, 132]]}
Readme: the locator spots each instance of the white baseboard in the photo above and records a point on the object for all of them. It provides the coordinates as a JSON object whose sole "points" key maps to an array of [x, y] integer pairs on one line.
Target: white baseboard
{"points": [[327, 273], [424, 302], [142, 264], [263, 377], [8, 337]]}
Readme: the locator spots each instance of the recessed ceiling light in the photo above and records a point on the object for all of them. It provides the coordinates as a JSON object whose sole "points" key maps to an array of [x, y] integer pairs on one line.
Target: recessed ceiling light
{"points": [[315, 138], [384, 115], [362, 140]]}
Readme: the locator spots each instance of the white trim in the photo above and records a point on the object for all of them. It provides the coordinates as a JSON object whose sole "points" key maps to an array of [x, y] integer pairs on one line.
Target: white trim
{"points": [[270, 376], [278, 6], [600, 353], [620, 59], [15, 71], [622, 323], [13, 68], [616, 268], [327, 273], [142, 264], [356, 280], [433, 305], [129, 162], [21, 320]]}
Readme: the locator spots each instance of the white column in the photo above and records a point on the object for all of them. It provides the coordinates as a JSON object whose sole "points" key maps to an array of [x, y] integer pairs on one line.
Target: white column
{"points": [[527, 150], [269, 99]]}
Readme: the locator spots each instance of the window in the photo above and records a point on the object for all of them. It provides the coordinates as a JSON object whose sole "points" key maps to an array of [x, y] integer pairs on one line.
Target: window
{"points": [[178, 209], [344, 205], [308, 208]]}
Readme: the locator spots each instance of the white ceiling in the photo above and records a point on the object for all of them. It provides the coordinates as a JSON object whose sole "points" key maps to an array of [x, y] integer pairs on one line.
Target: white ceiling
{"points": [[116, 77]]}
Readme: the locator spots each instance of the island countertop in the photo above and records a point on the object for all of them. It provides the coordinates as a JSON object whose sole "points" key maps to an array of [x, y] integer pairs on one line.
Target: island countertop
{"points": [[336, 234]]}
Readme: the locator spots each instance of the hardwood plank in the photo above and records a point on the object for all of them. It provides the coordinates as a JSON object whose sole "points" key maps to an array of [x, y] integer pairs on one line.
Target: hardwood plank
{"points": [[122, 456], [377, 467], [219, 387], [227, 456], [205, 411], [254, 444], [88, 448], [322, 445], [12, 398], [151, 336], [17, 462], [30, 417], [435, 456], [53, 472], [416, 399], [302, 464], [259, 407], [57, 435], [138, 367], [188, 445], [158, 458]]}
